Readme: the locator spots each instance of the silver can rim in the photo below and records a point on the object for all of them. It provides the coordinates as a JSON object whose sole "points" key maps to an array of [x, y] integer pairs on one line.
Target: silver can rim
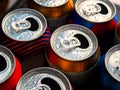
{"points": [[23, 9], [107, 56], [52, 6], [78, 1], [60, 29], [13, 60], [41, 69]]}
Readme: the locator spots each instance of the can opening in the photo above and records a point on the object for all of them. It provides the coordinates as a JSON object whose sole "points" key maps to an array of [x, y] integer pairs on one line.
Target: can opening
{"points": [[3, 63], [104, 9], [51, 83], [83, 40], [34, 24]]}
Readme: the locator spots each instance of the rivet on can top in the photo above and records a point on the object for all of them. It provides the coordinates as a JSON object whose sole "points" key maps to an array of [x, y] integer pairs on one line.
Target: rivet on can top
{"points": [[97, 11], [73, 46], [24, 24], [7, 64], [44, 78]]}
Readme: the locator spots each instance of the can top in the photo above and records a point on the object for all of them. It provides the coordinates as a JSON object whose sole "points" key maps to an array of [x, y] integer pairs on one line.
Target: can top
{"points": [[51, 3], [7, 63], [43, 78], [24, 24], [96, 11], [74, 42], [112, 62]]}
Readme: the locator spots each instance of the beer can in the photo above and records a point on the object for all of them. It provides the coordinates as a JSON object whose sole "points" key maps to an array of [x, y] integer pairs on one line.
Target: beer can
{"points": [[44, 78], [74, 50], [98, 15], [10, 69], [108, 69], [56, 11], [25, 32]]}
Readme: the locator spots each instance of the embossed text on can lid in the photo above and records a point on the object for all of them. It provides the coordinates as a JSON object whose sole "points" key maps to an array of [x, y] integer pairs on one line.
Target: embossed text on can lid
{"points": [[7, 63], [51, 3], [96, 11], [24, 24], [112, 62], [73, 42], [43, 78]]}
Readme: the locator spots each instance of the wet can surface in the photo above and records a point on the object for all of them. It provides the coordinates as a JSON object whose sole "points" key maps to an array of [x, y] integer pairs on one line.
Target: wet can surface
{"points": [[44, 78], [10, 69], [56, 11], [109, 73], [74, 50], [25, 31], [97, 15]]}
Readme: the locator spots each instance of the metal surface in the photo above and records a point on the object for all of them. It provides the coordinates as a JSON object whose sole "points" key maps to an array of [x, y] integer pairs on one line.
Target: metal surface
{"points": [[8, 63], [24, 24], [112, 62], [69, 52], [43, 78], [97, 11], [51, 3]]}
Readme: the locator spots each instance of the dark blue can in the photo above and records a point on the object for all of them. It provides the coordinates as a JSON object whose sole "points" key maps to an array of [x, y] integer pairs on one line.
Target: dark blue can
{"points": [[97, 15], [109, 69]]}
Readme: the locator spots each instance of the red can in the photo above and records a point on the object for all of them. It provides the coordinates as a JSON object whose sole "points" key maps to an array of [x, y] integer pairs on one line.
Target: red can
{"points": [[10, 69], [25, 32], [74, 50]]}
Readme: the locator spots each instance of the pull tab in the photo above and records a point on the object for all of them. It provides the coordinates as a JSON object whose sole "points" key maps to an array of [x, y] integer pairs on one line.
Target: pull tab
{"points": [[41, 87], [69, 43], [21, 25], [91, 9]]}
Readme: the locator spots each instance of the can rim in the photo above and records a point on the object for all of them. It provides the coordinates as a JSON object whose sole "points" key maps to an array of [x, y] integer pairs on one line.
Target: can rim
{"points": [[4, 20], [60, 29], [79, 1], [52, 6], [14, 63], [107, 56], [40, 69]]}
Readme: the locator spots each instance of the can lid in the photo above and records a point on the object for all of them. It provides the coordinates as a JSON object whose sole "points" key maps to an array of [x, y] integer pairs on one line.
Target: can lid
{"points": [[96, 11], [7, 63], [24, 24], [74, 42], [112, 62], [51, 3], [43, 78]]}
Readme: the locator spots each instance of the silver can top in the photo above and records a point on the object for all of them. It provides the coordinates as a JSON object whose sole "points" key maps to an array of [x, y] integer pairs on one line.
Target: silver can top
{"points": [[7, 63], [112, 62], [96, 11], [43, 78], [51, 3], [24, 24], [73, 42]]}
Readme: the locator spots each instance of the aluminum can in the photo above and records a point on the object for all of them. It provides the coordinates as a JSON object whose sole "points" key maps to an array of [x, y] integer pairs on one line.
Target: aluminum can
{"points": [[56, 11], [10, 69], [97, 15], [73, 50], [108, 69], [25, 32], [44, 78]]}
